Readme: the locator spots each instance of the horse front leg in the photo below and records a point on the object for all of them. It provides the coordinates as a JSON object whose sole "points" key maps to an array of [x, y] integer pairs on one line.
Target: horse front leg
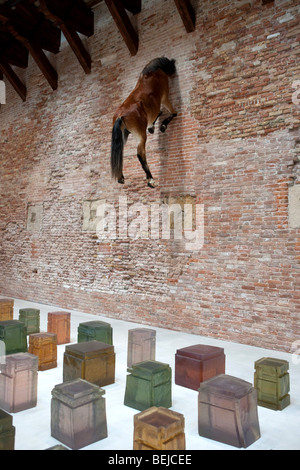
{"points": [[151, 129], [141, 154], [173, 114]]}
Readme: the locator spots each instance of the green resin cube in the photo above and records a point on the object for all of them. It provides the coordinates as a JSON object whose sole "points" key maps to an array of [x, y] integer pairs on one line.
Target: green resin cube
{"points": [[148, 384], [31, 318], [14, 335], [95, 330], [272, 382]]}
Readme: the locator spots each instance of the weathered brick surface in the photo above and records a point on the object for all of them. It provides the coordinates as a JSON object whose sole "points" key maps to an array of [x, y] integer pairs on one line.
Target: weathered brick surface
{"points": [[229, 148]]}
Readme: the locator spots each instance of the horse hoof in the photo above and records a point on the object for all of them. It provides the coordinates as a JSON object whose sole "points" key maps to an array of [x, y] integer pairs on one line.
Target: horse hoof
{"points": [[121, 181], [151, 130], [163, 128], [151, 183]]}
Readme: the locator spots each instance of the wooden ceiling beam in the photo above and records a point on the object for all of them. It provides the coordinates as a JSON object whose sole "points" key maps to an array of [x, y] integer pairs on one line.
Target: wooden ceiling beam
{"points": [[43, 63], [14, 80], [68, 28], [134, 6], [77, 46], [187, 14], [124, 25], [22, 32], [13, 51], [74, 11]]}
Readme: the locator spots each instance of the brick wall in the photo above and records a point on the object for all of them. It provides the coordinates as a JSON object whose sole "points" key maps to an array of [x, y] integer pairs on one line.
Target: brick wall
{"points": [[229, 151]]}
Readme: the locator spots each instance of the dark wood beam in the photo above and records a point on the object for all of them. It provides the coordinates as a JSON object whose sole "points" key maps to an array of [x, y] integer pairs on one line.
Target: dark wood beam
{"points": [[134, 6], [42, 31], [43, 63], [187, 14], [77, 46], [13, 51], [74, 11], [22, 31], [14, 80], [124, 25], [56, 14]]}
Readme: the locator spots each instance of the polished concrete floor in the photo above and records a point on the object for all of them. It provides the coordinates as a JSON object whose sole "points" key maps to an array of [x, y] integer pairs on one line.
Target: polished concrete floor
{"points": [[279, 429]]}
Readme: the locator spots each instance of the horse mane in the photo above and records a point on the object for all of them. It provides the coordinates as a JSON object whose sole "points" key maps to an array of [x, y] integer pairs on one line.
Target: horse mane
{"points": [[166, 65]]}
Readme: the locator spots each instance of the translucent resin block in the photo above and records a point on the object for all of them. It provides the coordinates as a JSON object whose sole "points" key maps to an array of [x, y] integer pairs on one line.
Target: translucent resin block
{"points": [[141, 345], [44, 345], [272, 382], [7, 431], [93, 361], [158, 428], [18, 382], [31, 319], [95, 330], [6, 309], [59, 323], [14, 335], [227, 411], [148, 384], [195, 364], [78, 413]]}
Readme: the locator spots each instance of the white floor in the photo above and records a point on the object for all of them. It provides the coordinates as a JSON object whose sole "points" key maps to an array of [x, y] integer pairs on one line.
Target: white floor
{"points": [[279, 429]]}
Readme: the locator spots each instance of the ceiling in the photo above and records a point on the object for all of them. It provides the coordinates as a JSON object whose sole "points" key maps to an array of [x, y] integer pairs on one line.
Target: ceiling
{"points": [[35, 26]]}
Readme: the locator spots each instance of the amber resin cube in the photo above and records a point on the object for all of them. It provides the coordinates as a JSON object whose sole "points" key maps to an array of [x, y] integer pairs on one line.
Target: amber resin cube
{"points": [[272, 382], [31, 319], [14, 335], [93, 361], [95, 330], [44, 345], [18, 382], [141, 345], [197, 363], [59, 323], [78, 413], [159, 428], [148, 384], [7, 431], [6, 309], [227, 411]]}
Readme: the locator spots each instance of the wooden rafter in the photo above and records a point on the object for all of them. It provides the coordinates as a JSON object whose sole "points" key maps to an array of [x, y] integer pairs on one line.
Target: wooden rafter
{"points": [[13, 79], [26, 34], [13, 51], [187, 14], [117, 10], [72, 16]]}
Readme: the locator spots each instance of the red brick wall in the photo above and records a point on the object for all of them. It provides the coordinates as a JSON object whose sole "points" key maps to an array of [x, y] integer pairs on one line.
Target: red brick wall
{"points": [[230, 147]]}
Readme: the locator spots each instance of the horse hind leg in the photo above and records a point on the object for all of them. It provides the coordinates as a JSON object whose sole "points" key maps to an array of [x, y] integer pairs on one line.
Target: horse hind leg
{"points": [[151, 128], [141, 154]]}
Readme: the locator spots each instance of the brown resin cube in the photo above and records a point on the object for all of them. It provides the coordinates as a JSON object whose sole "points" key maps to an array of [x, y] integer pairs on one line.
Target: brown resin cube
{"points": [[141, 345], [18, 382], [6, 309], [59, 323], [227, 411], [44, 345], [159, 428], [78, 413], [197, 363], [93, 361]]}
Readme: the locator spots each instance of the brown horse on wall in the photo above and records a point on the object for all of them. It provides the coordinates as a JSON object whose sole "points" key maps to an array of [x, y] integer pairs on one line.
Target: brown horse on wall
{"points": [[139, 112]]}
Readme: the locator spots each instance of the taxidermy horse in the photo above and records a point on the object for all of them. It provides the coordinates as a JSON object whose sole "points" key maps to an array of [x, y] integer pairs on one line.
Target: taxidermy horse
{"points": [[139, 112]]}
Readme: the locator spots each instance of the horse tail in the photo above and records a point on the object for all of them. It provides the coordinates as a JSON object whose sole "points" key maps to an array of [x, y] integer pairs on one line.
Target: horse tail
{"points": [[117, 145]]}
